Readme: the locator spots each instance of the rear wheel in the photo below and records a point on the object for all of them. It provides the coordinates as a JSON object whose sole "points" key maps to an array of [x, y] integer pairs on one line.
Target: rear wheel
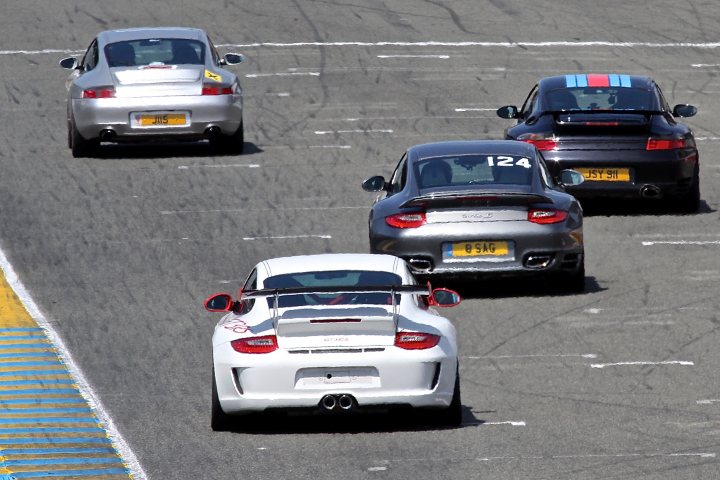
{"points": [[233, 143], [219, 420], [690, 203], [79, 146], [575, 282], [452, 416]]}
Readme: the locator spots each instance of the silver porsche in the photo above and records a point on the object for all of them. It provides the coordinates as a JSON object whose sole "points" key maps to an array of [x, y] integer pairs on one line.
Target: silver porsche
{"points": [[147, 84]]}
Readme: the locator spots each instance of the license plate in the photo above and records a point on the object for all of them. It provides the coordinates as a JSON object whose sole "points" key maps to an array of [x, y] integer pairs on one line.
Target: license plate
{"points": [[159, 119], [604, 174], [477, 249]]}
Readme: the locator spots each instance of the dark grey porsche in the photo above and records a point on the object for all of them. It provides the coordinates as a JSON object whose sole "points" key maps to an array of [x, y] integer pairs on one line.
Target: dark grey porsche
{"points": [[477, 209]]}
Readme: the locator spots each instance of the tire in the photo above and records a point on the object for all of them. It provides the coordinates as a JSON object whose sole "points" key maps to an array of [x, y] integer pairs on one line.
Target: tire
{"points": [[79, 146], [219, 420], [690, 203], [233, 144], [452, 416], [575, 282]]}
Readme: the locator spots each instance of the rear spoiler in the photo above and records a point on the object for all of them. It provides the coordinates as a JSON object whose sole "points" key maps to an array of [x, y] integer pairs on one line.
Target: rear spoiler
{"points": [[600, 112], [474, 198]]}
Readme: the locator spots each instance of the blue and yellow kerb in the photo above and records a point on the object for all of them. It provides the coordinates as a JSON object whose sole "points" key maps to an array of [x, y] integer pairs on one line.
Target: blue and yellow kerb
{"points": [[47, 428]]}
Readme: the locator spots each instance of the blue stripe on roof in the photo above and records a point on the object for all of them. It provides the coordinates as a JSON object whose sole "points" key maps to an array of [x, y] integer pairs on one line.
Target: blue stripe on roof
{"points": [[59, 461], [570, 81], [34, 391], [21, 337], [6, 411], [33, 373], [581, 80], [614, 80], [21, 329], [42, 451], [28, 354], [625, 81], [33, 420], [52, 440], [26, 345], [40, 363], [5, 431], [10, 383], [32, 401], [65, 473]]}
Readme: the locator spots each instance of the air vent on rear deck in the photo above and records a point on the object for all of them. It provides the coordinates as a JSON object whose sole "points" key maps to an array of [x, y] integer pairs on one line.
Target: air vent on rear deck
{"points": [[337, 350]]}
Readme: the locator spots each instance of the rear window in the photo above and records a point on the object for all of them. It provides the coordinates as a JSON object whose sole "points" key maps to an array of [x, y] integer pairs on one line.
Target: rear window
{"points": [[339, 278], [600, 98], [473, 169], [155, 51]]}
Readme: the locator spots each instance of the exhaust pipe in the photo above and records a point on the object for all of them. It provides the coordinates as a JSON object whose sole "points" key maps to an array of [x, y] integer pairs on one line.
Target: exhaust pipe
{"points": [[212, 133], [538, 261], [107, 134], [328, 402], [346, 402], [420, 264], [650, 191]]}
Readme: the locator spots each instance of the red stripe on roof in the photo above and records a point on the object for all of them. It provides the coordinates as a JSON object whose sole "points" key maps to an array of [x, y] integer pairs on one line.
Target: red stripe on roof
{"points": [[598, 80]]}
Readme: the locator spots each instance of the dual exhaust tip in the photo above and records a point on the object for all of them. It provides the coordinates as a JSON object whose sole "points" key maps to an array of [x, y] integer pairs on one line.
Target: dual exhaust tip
{"points": [[650, 191], [108, 134], [337, 402]]}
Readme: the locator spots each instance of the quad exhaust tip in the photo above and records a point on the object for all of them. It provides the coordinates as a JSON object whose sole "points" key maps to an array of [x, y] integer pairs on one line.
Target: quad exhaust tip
{"points": [[650, 191], [420, 264], [538, 261]]}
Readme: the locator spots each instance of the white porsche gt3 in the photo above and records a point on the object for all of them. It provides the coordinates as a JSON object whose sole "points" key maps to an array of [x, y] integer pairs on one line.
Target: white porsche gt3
{"points": [[333, 333]]}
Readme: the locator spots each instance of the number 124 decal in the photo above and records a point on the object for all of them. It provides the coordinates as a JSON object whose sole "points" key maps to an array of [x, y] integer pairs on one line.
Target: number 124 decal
{"points": [[505, 161]]}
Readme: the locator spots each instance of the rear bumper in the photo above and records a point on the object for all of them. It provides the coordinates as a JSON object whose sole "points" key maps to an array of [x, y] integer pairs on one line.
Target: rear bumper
{"points": [[253, 383], [94, 115]]}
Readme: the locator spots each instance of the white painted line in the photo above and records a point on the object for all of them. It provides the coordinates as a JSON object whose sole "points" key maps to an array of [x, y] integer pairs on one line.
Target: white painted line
{"points": [[599, 455], [279, 94], [127, 455], [581, 355], [464, 109], [377, 469], [286, 237], [562, 44], [414, 56], [40, 52], [620, 364], [711, 139], [241, 210], [234, 165], [708, 401], [681, 242], [343, 147], [704, 65], [326, 132], [514, 424], [283, 74]]}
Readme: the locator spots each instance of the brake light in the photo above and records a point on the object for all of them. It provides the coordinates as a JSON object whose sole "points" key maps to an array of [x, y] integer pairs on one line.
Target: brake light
{"points": [[406, 220], [416, 340], [546, 215], [99, 92], [265, 344], [665, 143], [541, 141], [212, 89]]}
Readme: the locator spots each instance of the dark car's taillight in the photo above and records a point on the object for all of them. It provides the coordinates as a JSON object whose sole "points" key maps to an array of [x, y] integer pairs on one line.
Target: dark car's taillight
{"points": [[543, 142], [99, 92], [546, 215], [406, 220], [665, 143], [265, 344]]}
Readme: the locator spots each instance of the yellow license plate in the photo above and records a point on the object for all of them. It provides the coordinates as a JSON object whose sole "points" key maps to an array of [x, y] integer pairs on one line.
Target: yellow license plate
{"points": [[162, 119], [604, 174], [477, 249]]}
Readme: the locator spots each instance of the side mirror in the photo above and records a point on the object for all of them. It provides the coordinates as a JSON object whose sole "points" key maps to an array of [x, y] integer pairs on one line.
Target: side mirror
{"points": [[443, 297], [571, 178], [69, 63], [508, 111], [220, 302], [232, 59], [684, 110], [375, 184]]}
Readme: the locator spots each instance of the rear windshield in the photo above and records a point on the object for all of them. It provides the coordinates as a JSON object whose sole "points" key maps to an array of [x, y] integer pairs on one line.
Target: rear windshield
{"points": [[473, 169], [602, 98], [339, 278], [155, 51]]}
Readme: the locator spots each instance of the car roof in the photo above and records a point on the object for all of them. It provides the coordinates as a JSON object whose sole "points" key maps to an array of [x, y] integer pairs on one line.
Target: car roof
{"points": [[331, 262], [111, 36], [587, 79], [510, 147]]}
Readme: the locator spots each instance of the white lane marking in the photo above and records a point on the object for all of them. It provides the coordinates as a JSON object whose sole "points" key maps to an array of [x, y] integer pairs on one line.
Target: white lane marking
{"points": [[232, 165], [127, 455], [282, 74], [708, 401], [344, 147], [711, 139], [466, 109], [377, 469], [286, 237], [680, 242], [704, 65], [279, 94], [514, 424], [40, 52], [600, 455], [582, 355], [444, 57], [620, 364], [600, 43], [326, 132], [238, 210]]}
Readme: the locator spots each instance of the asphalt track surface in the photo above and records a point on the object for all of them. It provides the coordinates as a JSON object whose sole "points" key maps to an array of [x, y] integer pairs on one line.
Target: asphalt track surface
{"points": [[120, 251]]}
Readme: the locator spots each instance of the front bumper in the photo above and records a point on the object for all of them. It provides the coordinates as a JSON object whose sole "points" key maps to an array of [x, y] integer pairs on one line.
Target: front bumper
{"points": [[91, 116]]}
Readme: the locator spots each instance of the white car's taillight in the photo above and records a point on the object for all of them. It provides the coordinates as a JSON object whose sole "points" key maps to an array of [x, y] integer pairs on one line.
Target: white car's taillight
{"points": [[264, 344], [99, 92], [416, 340]]}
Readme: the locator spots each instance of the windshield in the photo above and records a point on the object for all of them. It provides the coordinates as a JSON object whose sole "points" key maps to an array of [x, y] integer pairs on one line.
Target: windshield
{"points": [[600, 98], [463, 170], [338, 278], [155, 51]]}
